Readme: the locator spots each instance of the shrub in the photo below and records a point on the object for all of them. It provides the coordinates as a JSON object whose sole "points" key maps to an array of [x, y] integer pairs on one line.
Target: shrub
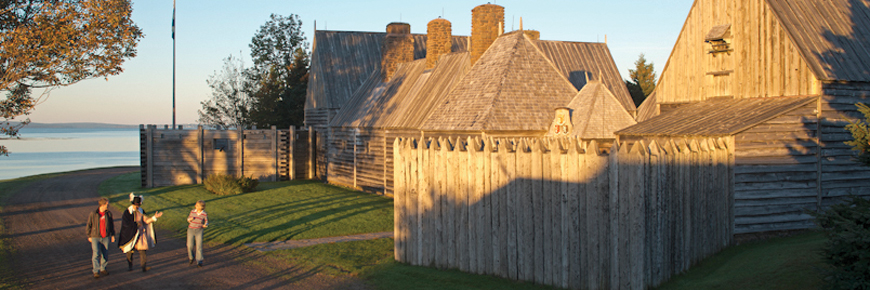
{"points": [[847, 226], [221, 184]]}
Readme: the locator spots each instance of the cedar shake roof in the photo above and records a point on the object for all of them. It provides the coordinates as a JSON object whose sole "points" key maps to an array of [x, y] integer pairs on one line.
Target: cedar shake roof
{"points": [[579, 61], [832, 35], [342, 60], [407, 99], [596, 113], [512, 87], [716, 117], [648, 108]]}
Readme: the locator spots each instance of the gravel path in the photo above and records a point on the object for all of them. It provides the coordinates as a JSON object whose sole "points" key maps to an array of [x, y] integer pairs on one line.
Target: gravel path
{"points": [[46, 222]]}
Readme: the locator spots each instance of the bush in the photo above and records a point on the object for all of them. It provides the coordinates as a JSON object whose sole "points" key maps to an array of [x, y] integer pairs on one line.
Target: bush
{"points": [[847, 226], [221, 184]]}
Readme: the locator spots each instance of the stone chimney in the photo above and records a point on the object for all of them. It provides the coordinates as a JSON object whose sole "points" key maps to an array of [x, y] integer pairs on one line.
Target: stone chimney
{"points": [[485, 22], [439, 40], [398, 47]]}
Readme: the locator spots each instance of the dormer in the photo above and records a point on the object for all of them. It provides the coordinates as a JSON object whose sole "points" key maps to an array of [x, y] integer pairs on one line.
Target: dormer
{"points": [[719, 39]]}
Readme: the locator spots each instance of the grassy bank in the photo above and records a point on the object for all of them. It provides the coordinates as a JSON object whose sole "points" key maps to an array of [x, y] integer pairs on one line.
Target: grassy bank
{"points": [[778, 263], [277, 211]]}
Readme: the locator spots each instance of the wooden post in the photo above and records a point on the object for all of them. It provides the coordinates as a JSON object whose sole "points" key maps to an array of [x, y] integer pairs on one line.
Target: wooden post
{"points": [[398, 199], [201, 156], [291, 154], [241, 151], [355, 140], [311, 150], [275, 155], [149, 145]]}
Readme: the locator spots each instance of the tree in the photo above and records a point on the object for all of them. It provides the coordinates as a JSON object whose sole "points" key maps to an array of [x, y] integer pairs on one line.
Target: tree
{"points": [[860, 135], [643, 80], [45, 44], [280, 72], [230, 103]]}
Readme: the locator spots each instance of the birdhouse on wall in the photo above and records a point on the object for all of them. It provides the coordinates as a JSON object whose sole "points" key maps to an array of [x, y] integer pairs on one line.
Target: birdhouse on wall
{"points": [[719, 39], [562, 125]]}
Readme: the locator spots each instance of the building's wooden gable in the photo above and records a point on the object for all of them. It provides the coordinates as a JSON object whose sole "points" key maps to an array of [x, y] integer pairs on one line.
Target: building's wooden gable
{"points": [[760, 59]]}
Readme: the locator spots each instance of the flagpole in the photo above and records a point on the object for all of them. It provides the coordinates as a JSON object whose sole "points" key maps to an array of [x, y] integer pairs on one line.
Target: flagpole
{"points": [[173, 65]]}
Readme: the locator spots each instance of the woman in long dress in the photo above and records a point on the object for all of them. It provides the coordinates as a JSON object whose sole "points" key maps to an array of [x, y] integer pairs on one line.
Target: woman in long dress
{"points": [[137, 233]]}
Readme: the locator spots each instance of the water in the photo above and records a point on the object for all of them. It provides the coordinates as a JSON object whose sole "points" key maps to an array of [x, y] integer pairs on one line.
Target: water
{"points": [[47, 150]]}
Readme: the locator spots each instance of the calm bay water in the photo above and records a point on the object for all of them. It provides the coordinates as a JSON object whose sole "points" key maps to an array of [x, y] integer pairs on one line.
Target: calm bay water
{"points": [[47, 150]]}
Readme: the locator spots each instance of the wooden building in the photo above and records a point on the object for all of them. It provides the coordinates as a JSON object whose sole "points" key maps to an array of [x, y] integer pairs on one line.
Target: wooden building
{"points": [[777, 78], [508, 87]]}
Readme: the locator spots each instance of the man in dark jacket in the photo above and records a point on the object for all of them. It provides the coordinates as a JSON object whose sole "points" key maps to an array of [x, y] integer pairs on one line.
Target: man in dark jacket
{"points": [[101, 229]]}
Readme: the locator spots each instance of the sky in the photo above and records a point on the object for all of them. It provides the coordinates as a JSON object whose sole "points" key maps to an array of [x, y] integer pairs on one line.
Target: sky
{"points": [[209, 31]]}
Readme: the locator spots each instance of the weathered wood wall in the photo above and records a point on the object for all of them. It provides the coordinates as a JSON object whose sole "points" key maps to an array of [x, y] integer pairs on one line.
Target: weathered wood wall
{"points": [[764, 61], [841, 176], [556, 212], [356, 158], [175, 157], [777, 172]]}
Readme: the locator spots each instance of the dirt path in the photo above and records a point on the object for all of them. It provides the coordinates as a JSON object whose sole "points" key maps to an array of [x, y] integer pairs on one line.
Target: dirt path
{"points": [[46, 221]]}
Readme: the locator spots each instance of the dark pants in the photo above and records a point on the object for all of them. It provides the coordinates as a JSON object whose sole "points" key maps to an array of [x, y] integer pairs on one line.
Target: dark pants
{"points": [[143, 258]]}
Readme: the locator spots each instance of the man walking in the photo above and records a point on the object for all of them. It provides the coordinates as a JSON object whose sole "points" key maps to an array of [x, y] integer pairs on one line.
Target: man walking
{"points": [[101, 229]]}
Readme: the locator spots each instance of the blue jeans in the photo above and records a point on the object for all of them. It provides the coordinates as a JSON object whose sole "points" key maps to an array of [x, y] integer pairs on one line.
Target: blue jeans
{"points": [[194, 236], [100, 258]]}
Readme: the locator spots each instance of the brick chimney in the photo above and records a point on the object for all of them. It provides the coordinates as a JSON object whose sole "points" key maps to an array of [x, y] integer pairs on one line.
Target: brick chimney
{"points": [[398, 47], [485, 22], [439, 40]]}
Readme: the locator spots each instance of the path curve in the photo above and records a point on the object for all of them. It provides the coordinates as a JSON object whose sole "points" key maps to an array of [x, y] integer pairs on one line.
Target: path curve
{"points": [[46, 222]]}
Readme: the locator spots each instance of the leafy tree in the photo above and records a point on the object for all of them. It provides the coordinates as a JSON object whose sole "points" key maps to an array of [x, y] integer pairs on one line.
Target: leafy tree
{"points": [[860, 135], [280, 72], [643, 80], [230, 103], [46, 44]]}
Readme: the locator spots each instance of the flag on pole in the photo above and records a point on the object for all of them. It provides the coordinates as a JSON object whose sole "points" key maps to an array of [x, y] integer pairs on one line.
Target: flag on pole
{"points": [[173, 19]]}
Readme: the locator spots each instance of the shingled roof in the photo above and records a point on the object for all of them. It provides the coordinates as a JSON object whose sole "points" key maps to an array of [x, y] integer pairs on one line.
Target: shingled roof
{"points": [[716, 117], [582, 61], [342, 60], [405, 101], [513, 87], [596, 113], [832, 35]]}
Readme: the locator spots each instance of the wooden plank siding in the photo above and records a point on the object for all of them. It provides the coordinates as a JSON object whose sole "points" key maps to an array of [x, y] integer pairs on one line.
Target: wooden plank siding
{"points": [[764, 61], [776, 173], [176, 157], [841, 176], [557, 212]]}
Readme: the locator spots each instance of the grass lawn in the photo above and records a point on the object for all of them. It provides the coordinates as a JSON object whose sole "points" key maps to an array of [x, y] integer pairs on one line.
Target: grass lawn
{"points": [[779, 263], [310, 209], [277, 211]]}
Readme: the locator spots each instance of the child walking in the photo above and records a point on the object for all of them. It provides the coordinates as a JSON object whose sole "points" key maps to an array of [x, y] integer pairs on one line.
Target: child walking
{"points": [[197, 220]]}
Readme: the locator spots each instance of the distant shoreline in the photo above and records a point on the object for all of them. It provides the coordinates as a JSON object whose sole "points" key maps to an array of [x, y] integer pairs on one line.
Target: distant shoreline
{"points": [[87, 125]]}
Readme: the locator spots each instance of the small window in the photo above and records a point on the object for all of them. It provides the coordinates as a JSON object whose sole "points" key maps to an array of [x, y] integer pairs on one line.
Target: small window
{"points": [[222, 144], [719, 39]]}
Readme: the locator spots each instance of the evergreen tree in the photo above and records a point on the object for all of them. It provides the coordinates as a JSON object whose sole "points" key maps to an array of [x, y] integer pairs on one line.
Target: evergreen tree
{"points": [[643, 80], [280, 72], [860, 135]]}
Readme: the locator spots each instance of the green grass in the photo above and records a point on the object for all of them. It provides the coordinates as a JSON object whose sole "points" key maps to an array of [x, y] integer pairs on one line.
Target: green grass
{"points": [[373, 261], [277, 211], [779, 263]]}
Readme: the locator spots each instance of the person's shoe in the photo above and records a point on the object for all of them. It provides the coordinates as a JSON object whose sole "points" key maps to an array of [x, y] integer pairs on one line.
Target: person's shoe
{"points": [[129, 266], [191, 262], [199, 264], [104, 273], [145, 269], [96, 275]]}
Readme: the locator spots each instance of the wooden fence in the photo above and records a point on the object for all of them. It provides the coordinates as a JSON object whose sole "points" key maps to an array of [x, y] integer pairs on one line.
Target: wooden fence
{"points": [[175, 157], [559, 212]]}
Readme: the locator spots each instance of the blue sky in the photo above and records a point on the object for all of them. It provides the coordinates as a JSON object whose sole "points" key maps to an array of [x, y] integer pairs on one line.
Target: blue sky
{"points": [[209, 31]]}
